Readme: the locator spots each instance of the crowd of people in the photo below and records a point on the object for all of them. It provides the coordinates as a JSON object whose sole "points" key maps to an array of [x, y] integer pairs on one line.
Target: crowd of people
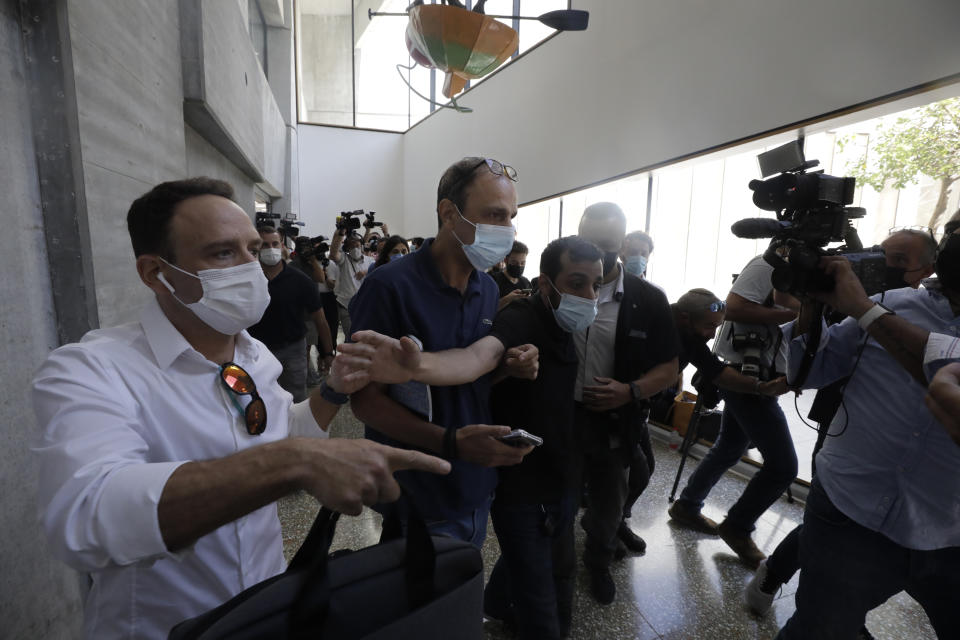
{"points": [[166, 442]]}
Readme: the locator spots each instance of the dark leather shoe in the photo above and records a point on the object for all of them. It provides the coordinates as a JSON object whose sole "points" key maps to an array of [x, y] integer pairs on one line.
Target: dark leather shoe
{"points": [[601, 586], [691, 518], [632, 541], [742, 544]]}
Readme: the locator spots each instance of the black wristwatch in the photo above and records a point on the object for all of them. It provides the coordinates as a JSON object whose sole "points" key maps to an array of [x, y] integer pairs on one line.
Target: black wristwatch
{"points": [[635, 392], [331, 396]]}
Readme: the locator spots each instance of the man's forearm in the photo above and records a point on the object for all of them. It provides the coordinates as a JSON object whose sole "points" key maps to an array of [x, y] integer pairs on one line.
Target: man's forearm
{"points": [[374, 408], [335, 245], [902, 340], [658, 378], [460, 366], [200, 497], [733, 380]]}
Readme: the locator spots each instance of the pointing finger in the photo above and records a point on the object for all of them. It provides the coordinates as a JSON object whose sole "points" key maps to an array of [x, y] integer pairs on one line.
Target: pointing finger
{"points": [[409, 460]]}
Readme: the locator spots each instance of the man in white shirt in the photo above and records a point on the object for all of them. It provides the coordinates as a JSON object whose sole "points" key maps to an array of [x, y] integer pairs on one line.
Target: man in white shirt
{"points": [[153, 483], [346, 251]]}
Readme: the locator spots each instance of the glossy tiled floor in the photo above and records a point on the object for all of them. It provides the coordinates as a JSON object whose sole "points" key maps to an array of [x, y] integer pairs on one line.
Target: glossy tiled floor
{"points": [[687, 586]]}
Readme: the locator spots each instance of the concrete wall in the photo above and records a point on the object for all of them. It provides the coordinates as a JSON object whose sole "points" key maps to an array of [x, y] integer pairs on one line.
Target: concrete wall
{"points": [[649, 82], [126, 96], [343, 170], [38, 595], [130, 102]]}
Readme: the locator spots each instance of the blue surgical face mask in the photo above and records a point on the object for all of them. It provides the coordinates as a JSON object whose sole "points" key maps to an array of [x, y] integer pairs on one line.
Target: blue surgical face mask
{"points": [[636, 265], [574, 313], [491, 244], [396, 256]]}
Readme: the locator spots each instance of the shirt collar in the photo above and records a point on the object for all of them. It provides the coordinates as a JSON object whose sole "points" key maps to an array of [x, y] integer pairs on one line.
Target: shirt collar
{"points": [[428, 267], [165, 341], [168, 344]]}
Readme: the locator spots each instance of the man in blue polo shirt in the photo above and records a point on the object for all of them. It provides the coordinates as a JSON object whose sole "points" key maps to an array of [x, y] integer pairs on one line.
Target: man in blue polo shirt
{"points": [[441, 297]]}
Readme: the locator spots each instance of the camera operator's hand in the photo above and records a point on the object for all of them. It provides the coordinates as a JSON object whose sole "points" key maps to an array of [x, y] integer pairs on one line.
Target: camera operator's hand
{"points": [[848, 296], [522, 362], [386, 231], [607, 395], [360, 275], [392, 361], [773, 388], [943, 399], [479, 444]]}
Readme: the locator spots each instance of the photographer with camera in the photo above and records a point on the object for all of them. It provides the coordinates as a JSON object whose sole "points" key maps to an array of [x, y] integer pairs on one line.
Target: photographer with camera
{"points": [[881, 516], [292, 297], [910, 257], [697, 315], [346, 251], [750, 341]]}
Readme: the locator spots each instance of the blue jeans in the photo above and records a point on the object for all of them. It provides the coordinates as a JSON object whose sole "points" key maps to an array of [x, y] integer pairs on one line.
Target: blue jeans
{"points": [[533, 580], [846, 570], [746, 418], [470, 526]]}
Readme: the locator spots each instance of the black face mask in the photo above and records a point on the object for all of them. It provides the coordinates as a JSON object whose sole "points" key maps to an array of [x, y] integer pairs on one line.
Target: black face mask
{"points": [[895, 278], [609, 261], [948, 262], [515, 270]]}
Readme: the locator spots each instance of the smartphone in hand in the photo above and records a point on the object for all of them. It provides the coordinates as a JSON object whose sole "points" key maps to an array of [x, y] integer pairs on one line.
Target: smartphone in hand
{"points": [[521, 438]]}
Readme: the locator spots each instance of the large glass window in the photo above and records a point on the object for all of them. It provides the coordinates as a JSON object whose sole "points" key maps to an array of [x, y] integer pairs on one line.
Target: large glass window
{"points": [[693, 204], [347, 64]]}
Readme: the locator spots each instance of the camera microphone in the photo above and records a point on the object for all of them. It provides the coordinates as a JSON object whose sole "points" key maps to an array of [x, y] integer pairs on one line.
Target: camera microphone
{"points": [[753, 228]]}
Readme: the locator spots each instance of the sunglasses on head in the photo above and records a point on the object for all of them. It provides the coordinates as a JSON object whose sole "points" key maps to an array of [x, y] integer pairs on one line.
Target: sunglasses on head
{"points": [[239, 383], [496, 167]]}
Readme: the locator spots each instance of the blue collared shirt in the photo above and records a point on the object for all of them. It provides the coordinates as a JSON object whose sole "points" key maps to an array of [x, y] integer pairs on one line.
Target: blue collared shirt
{"points": [[409, 297], [891, 467]]}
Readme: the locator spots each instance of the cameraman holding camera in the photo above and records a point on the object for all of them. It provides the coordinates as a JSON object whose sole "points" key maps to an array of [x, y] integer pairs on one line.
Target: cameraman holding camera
{"points": [[883, 513], [750, 341], [346, 251]]}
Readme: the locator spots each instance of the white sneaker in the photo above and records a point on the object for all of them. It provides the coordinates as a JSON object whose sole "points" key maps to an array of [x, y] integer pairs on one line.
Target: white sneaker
{"points": [[759, 600]]}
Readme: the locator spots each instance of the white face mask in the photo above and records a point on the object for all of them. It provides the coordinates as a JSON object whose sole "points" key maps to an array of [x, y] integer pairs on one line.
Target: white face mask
{"points": [[491, 244], [233, 298], [356, 253], [270, 257]]}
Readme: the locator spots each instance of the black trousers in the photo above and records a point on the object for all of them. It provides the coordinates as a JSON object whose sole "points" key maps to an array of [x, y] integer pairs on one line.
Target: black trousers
{"points": [[606, 466]]}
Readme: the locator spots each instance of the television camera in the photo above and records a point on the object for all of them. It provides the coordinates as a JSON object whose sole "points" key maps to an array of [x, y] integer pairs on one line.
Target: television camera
{"points": [[811, 212]]}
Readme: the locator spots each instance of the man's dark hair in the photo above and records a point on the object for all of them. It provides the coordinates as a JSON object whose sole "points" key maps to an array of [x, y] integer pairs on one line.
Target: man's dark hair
{"points": [[696, 302], [642, 236], [148, 219], [577, 250], [456, 180], [519, 247], [416, 240], [268, 228]]}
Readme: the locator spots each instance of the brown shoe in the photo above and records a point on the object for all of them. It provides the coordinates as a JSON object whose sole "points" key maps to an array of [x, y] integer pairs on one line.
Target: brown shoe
{"points": [[692, 518], [742, 544]]}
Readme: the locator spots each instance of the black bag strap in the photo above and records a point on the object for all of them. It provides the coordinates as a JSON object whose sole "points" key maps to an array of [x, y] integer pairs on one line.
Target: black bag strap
{"points": [[309, 609]]}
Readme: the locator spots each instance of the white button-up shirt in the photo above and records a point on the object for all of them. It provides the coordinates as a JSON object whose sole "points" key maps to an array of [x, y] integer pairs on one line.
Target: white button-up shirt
{"points": [[119, 411], [595, 344]]}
